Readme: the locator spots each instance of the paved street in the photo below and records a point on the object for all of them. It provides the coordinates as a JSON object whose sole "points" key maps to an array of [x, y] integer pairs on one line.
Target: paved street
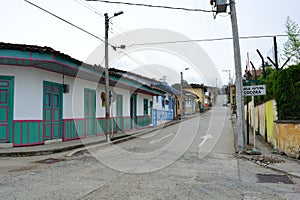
{"points": [[194, 159]]}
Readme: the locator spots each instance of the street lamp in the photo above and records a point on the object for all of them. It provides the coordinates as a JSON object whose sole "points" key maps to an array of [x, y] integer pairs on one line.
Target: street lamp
{"points": [[181, 98], [107, 114]]}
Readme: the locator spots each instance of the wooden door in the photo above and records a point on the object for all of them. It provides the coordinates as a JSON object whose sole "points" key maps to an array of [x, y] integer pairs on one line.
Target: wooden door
{"points": [[119, 110], [52, 110], [6, 108], [133, 110], [90, 111]]}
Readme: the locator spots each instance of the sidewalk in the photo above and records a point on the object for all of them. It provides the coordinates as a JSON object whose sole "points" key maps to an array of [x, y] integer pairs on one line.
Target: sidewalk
{"points": [[269, 158], [59, 146]]}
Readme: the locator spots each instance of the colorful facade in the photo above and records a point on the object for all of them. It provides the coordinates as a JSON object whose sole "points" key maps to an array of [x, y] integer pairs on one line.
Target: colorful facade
{"points": [[191, 105], [283, 135], [47, 95], [166, 107], [163, 108]]}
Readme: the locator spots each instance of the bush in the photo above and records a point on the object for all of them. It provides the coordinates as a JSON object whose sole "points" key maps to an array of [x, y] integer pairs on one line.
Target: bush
{"points": [[287, 93]]}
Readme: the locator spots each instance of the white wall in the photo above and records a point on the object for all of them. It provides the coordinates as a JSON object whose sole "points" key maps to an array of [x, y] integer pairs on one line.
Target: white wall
{"points": [[126, 101], [76, 96], [140, 104], [28, 94], [28, 90], [158, 105]]}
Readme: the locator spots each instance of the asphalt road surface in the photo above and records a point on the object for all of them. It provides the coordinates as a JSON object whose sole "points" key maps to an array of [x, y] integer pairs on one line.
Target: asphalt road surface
{"points": [[194, 159]]}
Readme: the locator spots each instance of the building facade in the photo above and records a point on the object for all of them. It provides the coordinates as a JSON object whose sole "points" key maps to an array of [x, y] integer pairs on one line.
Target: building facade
{"points": [[47, 95]]}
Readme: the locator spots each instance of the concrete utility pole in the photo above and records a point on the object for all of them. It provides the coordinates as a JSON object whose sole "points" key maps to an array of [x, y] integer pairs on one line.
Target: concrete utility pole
{"points": [[107, 114], [107, 111], [230, 84], [181, 92], [182, 101], [238, 75]]}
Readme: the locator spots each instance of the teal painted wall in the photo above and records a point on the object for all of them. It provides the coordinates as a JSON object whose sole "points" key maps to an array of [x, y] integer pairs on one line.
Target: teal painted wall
{"points": [[28, 132]]}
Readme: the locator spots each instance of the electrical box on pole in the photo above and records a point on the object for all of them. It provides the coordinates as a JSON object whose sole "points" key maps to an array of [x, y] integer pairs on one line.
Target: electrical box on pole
{"points": [[221, 5]]}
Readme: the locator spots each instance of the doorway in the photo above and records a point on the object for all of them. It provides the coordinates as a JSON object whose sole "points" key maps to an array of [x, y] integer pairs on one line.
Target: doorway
{"points": [[52, 111], [6, 108]]}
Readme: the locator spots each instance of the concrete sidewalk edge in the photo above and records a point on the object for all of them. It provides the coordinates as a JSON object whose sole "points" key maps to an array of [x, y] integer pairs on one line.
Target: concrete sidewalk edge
{"points": [[269, 166], [81, 145], [272, 166]]}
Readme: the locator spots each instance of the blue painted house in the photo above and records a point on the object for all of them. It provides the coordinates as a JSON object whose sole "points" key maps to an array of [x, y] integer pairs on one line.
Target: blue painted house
{"points": [[166, 107], [163, 107]]}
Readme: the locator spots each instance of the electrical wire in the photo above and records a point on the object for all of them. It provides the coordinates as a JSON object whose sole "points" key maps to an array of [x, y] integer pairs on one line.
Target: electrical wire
{"points": [[132, 58], [205, 40], [154, 6], [64, 20], [123, 35], [89, 7], [95, 11]]}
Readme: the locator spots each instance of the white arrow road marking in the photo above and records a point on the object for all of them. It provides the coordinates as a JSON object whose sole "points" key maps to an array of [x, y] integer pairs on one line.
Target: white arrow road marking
{"points": [[146, 136], [204, 139], [153, 141]]}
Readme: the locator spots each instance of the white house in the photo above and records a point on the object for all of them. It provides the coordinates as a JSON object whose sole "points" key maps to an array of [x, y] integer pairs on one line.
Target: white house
{"points": [[47, 95]]}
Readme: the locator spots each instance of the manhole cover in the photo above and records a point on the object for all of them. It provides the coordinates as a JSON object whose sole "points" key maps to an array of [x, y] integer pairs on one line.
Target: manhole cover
{"points": [[273, 178], [49, 161]]}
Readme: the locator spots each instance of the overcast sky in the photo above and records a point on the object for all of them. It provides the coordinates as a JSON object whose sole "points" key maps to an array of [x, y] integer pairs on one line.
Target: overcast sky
{"points": [[25, 24]]}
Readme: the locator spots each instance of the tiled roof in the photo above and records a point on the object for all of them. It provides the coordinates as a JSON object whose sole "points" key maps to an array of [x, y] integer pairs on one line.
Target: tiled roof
{"points": [[167, 88], [38, 49], [119, 71], [59, 68]]}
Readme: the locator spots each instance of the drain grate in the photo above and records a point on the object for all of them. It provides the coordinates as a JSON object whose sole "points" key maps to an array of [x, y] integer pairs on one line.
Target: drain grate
{"points": [[49, 161], [274, 178]]}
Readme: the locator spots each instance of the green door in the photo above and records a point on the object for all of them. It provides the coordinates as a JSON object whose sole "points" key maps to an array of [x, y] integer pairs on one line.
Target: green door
{"points": [[133, 111], [6, 108], [90, 111], [119, 108], [52, 110]]}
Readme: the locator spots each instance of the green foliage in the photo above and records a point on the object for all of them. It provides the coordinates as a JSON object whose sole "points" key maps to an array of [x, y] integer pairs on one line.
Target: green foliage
{"points": [[178, 85], [287, 92], [284, 87], [292, 45], [269, 82]]}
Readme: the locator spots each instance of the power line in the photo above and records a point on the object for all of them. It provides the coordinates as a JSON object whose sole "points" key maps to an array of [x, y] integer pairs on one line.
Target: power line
{"points": [[132, 58], [95, 11], [123, 35], [154, 6], [64, 20], [80, 2], [204, 40]]}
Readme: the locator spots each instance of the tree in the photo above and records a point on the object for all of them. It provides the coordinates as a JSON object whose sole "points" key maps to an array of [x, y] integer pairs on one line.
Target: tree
{"points": [[286, 93], [178, 85], [291, 47]]}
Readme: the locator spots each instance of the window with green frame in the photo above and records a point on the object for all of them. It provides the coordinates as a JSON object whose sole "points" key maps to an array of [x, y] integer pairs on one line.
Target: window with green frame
{"points": [[146, 106]]}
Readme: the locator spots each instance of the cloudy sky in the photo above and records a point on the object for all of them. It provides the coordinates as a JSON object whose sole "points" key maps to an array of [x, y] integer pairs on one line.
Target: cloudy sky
{"points": [[23, 23]]}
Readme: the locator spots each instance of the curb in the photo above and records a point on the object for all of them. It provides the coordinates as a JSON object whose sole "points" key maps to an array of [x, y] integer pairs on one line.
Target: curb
{"points": [[267, 166], [82, 146], [129, 136]]}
